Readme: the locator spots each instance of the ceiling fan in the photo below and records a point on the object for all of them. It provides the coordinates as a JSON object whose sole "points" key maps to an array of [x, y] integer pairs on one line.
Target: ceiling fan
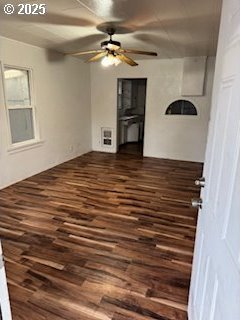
{"points": [[111, 52]]}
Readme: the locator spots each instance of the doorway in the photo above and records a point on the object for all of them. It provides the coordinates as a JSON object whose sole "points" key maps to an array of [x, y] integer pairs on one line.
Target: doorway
{"points": [[131, 103]]}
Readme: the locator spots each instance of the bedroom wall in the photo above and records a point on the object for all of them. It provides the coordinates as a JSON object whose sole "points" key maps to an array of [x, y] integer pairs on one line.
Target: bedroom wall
{"points": [[62, 95], [173, 137]]}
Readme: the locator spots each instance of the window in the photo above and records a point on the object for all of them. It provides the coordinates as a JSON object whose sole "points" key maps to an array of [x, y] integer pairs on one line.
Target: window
{"points": [[182, 107], [17, 84]]}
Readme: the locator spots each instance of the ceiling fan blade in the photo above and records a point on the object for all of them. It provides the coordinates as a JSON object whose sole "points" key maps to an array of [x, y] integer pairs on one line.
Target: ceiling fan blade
{"points": [[85, 43], [84, 52], [97, 56], [127, 60], [149, 53]]}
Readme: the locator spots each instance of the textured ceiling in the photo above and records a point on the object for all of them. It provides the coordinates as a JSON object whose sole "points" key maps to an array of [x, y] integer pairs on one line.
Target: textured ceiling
{"points": [[172, 28]]}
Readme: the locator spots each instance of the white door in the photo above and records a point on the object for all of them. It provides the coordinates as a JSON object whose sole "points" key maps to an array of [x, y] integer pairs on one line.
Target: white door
{"points": [[5, 312], [215, 284]]}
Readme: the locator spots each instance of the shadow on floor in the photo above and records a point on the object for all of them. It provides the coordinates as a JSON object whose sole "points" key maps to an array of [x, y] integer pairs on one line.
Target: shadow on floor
{"points": [[135, 148]]}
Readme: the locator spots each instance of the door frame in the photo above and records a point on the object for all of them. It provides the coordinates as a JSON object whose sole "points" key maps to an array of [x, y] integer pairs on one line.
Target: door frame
{"points": [[117, 116]]}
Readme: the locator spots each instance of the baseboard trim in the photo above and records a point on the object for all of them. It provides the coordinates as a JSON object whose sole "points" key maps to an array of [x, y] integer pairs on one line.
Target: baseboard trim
{"points": [[191, 310]]}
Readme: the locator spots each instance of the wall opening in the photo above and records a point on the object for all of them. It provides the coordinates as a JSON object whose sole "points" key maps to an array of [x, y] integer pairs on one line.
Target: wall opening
{"points": [[131, 102]]}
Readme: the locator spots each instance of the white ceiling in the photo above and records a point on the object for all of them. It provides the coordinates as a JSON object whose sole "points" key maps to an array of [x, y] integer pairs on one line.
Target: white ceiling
{"points": [[172, 28]]}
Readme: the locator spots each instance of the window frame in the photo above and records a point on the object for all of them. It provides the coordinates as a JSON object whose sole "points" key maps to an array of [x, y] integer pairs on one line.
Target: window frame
{"points": [[183, 116], [27, 143]]}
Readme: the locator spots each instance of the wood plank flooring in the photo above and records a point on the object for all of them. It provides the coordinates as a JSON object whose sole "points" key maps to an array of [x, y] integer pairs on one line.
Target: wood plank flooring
{"points": [[132, 148], [101, 237]]}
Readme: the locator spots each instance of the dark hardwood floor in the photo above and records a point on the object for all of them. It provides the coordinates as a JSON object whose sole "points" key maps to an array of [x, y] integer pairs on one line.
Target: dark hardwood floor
{"points": [[132, 148], [101, 237]]}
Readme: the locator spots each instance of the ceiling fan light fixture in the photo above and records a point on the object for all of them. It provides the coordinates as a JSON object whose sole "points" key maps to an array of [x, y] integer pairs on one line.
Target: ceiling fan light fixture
{"points": [[111, 45], [110, 60], [111, 52], [106, 62], [117, 61]]}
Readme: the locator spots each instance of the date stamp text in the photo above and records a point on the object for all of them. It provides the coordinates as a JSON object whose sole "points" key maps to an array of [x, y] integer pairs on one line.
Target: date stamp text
{"points": [[25, 8]]}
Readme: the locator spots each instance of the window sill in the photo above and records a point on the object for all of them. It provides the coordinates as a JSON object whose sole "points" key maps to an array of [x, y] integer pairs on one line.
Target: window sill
{"points": [[31, 144], [181, 117]]}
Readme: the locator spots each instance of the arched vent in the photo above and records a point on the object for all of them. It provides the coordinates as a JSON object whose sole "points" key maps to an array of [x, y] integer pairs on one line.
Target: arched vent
{"points": [[182, 107]]}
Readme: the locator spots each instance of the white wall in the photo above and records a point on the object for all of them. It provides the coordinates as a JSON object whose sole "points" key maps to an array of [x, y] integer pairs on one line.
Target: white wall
{"points": [[62, 95], [64, 104], [173, 137]]}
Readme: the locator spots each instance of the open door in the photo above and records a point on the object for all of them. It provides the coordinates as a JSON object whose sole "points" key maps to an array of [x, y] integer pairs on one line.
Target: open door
{"points": [[5, 311], [215, 284]]}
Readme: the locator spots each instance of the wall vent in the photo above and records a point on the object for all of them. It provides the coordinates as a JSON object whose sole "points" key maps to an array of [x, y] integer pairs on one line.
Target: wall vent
{"points": [[107, 137]]}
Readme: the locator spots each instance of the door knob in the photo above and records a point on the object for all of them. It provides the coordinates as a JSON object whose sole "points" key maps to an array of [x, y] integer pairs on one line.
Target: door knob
{"points": [[197, 203], [200, 182]]}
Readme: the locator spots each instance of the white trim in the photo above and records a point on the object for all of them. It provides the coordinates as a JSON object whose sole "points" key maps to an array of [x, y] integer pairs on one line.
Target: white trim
{"points": [[9, 136], [181, 117], [16, 107], [27, 144], [191, 310], [4, 297]]}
